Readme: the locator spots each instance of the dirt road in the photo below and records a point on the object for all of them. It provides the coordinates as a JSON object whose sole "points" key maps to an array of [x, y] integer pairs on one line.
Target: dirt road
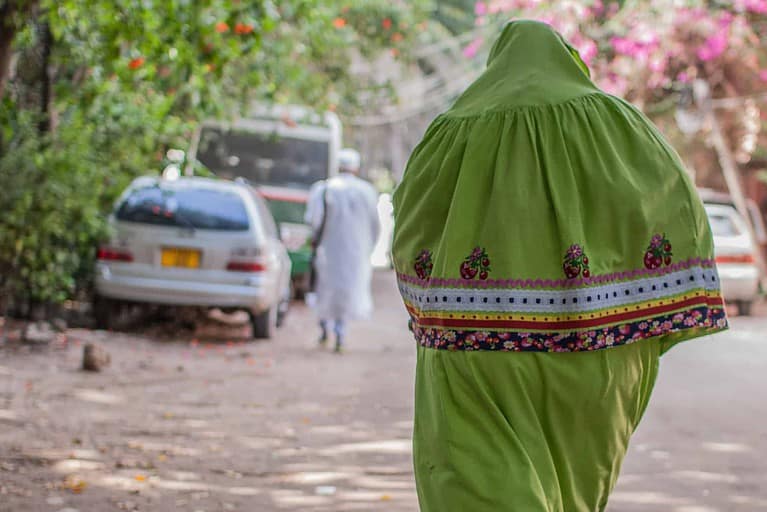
{"points": [[190, 424]]}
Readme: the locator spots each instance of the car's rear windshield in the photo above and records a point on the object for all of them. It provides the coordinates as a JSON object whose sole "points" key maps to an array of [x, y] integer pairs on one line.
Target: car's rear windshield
{"points": [[185, 206], [722, 225]]}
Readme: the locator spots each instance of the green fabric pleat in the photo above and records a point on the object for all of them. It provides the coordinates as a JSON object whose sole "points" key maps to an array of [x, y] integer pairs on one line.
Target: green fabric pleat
{"points": [[528, 432]]}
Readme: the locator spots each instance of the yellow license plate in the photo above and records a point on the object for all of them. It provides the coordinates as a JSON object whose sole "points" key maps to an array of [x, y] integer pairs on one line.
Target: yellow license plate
{"points": [[186, 258]]}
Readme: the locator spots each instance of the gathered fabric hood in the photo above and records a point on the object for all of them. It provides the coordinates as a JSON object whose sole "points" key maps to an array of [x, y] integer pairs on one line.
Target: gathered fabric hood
{"points": [[529, 64]]}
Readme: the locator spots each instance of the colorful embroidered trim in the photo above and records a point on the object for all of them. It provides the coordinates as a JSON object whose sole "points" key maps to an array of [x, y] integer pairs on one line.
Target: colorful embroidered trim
{"points": [[542, 301], [712, 318], [604, 311], [556, 283]]}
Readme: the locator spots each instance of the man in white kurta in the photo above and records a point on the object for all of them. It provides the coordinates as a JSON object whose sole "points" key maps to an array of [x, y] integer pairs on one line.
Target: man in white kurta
{"points": [[349, 206]]}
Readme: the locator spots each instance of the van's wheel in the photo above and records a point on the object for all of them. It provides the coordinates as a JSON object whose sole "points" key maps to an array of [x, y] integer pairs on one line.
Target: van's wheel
{"points": [[264, 323], [105, 312], [744, 307]]}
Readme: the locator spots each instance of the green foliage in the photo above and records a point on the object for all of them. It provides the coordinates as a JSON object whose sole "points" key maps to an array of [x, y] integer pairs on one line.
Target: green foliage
{"points": [[51, 210], [131, 79]]}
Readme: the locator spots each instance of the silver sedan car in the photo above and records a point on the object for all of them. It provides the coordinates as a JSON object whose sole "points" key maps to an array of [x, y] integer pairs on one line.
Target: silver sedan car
{"points": [[735, 256], [194, 242]]}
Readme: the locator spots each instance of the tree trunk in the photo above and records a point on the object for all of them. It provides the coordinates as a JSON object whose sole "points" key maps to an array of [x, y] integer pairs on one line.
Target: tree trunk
{"points": [[9, 12], [6, 43], [46, 90]]}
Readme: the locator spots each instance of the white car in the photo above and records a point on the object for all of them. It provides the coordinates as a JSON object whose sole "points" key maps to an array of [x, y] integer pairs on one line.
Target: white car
{"points": [[734, 251], [194, 242]]}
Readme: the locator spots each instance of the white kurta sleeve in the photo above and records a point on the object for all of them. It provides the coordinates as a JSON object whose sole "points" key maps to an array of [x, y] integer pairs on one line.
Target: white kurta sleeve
{"points": [[315, 207]]}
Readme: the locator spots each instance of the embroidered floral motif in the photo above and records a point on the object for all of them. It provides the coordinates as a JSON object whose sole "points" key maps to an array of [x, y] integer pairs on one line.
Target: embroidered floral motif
{"points": [[477, 263], [423, 264], [705, 317], [576, 263], [658, 252]]}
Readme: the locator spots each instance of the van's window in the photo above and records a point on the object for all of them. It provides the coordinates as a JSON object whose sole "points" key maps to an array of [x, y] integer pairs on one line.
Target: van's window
{"points": [[287, 211], [189, 207], [722, 225], [262, 158]]}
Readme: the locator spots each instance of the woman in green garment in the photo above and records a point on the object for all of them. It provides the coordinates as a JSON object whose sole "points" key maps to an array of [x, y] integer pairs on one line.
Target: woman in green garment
{"points": [[549, 248]]}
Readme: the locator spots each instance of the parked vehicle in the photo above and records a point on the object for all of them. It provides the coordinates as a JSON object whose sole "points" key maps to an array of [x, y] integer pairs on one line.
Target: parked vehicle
{"points": [[735, 256], [710, 196], [194, 242], [282, 150]]}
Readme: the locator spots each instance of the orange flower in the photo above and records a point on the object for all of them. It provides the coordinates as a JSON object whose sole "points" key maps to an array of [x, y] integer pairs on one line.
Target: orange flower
{"points": [[386, 23], [136, 63], [396, 37], [339, 23], [243, 28], [222, 27]]}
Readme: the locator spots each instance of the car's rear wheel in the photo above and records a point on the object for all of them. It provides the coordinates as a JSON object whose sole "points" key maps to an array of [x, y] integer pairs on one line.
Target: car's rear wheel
{"points": [[744, 307], [264, 323], [105, 312]]}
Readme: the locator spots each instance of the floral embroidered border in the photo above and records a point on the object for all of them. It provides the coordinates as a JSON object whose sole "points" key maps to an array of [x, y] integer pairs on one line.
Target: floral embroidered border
{"points": [[713, 318], [556, 283]]}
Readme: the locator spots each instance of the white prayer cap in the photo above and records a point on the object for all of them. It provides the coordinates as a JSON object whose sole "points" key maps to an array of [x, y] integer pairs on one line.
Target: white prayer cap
{"points": [[349, 160]]}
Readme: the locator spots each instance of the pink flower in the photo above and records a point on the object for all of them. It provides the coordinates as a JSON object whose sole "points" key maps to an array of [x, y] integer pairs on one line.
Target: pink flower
{"points": [[683, 77], [471, 50], [657, 64], [588, 50], [763, 75], [713, 47], [480, 8], [667, 325], [755, 6], [615, 84], [574, 251], [624, 329]]}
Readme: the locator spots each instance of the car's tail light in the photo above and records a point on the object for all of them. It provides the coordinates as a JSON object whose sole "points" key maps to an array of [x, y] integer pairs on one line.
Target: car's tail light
{"points": [[112, 254], [735, 258], [246, 266]]}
